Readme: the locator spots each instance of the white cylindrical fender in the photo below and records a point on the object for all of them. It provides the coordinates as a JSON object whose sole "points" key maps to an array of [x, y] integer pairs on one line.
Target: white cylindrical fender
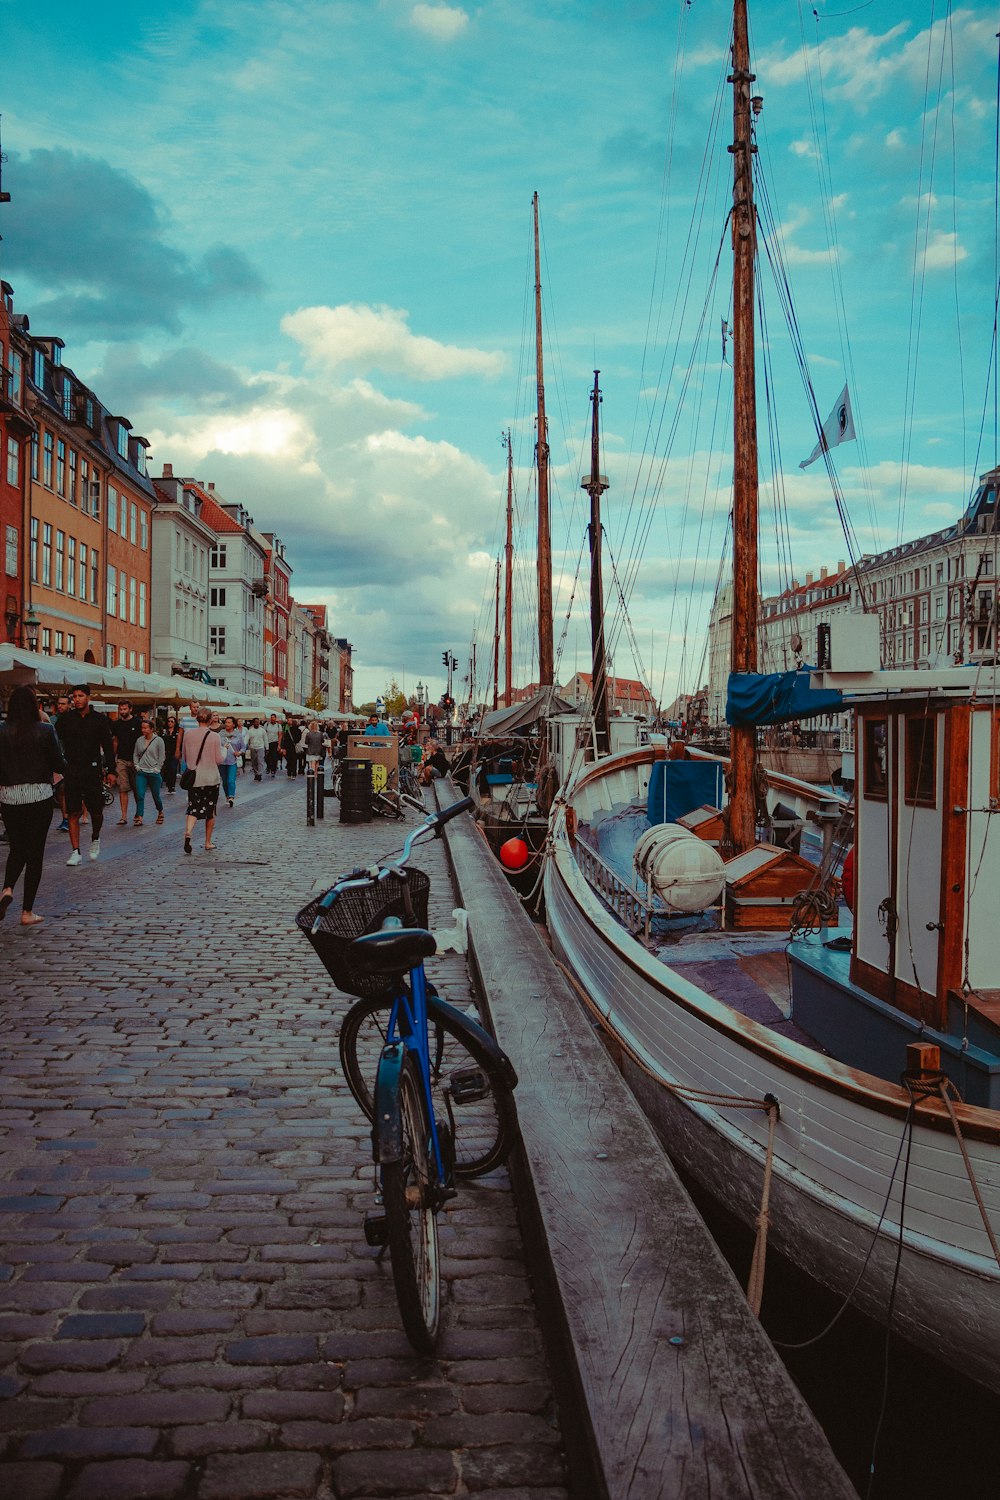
{"points": [[686, 873]]}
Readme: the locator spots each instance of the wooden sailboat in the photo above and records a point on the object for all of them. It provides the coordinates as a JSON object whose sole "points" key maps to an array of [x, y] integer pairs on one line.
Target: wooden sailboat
{"points": [[859, 1116]]}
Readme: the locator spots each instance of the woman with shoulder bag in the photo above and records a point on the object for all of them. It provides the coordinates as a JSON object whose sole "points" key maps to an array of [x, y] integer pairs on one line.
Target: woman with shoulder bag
{"points": [[29, 758], [203, 754]]}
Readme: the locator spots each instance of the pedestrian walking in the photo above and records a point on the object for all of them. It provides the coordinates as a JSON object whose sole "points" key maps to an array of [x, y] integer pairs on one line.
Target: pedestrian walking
{"points": [[313, 746], [126, 729], [257, 748], [30, 756], [89, 748], [273, 731], [62, 707], [234, 745], [203, 755], [148, 758], [170, 737], [290, 746]]}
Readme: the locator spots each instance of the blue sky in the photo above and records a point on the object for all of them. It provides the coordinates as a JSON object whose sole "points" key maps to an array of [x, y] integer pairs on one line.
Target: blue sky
{"points": [[291, 243]]}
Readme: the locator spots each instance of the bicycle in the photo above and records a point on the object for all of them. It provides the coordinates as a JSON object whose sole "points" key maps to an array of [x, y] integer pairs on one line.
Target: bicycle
{"points": [[407, 1056]]}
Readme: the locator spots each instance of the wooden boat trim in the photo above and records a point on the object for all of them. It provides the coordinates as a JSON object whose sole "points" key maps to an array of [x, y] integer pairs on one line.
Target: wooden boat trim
{"points": [[852, 1083]]}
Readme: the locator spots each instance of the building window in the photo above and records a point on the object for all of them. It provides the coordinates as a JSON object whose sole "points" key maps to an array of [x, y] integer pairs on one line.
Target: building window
{"points": [[60, 560], [122, 596], [46, 556], [876, 774], [14, 378], [13, 462], [59, 643], [95, 570], [46, 641], [38, 367], [83, 570], [131, 601], [112, 591], [218, 597], [122, 440], [123, 516], [217, 640], [34, 550], [131, 660], [34, 455], [47, 447], [71, 644], [143, 531], [11, 551], [133, 530], [71, 565], [112, 508], [68, 399], [74, 481], [61, 467], [142, 661], [109, 656], [142, 604], [219, 555]]}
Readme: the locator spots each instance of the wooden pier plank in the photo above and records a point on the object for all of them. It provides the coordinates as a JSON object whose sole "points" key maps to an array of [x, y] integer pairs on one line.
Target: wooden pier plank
{"points": [[674, 1387]]}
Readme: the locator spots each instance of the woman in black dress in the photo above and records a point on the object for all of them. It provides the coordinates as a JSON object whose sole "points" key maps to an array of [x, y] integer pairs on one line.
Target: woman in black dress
{"points": [[29, 758]]}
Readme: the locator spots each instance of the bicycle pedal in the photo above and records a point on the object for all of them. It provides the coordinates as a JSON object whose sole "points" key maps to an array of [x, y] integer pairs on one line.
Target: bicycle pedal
{"points": [[375, 1228], [468, 1085]]}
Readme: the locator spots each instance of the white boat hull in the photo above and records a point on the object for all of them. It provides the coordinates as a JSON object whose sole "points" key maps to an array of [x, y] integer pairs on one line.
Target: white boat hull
{"points": [[837, 1143]]}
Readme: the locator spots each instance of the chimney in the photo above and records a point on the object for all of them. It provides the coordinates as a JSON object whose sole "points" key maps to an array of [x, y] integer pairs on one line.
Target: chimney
{"points": [[841, 565], [809, 579], [822, 574], [211, 484], [168, 471]]}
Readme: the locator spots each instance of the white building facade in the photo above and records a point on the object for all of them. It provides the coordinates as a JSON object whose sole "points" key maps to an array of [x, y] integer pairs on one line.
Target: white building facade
{"points": [[181, 544]]}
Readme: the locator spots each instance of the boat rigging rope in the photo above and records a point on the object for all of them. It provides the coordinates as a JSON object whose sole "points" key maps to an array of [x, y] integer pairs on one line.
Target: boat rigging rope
{"points": [[755, 1285], [947, 1092]]}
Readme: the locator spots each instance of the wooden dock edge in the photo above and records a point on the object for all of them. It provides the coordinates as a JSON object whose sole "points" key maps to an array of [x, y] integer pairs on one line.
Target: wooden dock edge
{"points": [[668, 1384]]}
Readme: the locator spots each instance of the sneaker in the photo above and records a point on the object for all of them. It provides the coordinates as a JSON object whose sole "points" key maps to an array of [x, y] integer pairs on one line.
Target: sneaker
{"points": [[95, 849], [231, 800], [74, 858], [63, 826]]}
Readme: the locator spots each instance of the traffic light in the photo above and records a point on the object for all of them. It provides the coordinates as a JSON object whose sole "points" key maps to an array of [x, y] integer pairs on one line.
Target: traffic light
{"points": [[444, 657]]}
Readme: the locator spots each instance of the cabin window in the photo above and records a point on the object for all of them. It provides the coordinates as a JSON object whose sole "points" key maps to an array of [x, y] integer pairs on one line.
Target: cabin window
{"points": [[876, 775], [920, 760]]}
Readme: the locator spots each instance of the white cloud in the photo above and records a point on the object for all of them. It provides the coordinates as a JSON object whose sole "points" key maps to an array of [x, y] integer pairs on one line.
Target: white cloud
{"points": [[803, 148], [895, 140], [443, 22], [941, 253], [368, 338]]}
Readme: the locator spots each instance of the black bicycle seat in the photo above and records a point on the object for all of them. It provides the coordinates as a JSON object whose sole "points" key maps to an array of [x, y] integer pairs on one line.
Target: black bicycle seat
{"points": [[394, 951]]}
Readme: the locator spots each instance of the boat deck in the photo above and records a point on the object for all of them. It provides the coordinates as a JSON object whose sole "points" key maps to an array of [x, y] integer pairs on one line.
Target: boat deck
{"points": [[751, 975]]}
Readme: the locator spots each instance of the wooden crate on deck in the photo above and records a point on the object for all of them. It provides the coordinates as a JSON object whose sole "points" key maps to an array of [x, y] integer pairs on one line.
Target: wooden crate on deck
{"points": [[761, 885], [706, 822]]}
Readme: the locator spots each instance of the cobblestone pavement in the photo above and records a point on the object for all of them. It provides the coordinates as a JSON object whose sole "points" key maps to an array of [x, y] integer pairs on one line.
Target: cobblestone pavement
{"points": [[187, 1305]]}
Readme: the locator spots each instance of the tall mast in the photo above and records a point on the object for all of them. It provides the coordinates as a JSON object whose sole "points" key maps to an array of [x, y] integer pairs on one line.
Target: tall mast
{"points": [[508, 612], [496, 642], [742, 816], [545, 666], [596, 484]]}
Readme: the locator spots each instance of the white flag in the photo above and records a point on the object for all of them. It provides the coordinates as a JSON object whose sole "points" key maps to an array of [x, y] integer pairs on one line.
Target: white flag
{"points": [[838, 428]]}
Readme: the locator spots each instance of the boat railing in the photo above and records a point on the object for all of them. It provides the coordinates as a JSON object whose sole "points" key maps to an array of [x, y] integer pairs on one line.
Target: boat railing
{"points": [[632, 908]]}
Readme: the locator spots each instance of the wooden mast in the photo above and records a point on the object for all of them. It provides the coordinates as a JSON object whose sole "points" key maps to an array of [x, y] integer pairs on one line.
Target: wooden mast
{"points": [[508, 611], [742, 813], [496, 643], [545, 663], [595, 485]]}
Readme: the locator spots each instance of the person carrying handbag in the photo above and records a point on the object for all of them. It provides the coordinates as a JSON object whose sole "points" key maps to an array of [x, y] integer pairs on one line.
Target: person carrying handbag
{"points": [[148, 756], [203, 755]]}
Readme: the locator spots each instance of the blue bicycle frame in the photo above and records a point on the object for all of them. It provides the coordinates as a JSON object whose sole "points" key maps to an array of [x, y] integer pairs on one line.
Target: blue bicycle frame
{"points": [[410, 1036]]}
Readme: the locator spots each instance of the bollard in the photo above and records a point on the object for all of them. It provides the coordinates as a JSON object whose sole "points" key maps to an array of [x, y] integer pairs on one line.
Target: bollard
{"points": [[321, 791], [310, 797]]}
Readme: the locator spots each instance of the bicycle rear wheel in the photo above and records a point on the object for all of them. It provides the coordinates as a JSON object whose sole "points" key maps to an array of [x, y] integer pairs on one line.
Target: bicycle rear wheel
{"points": [[411, 1218], [480, 1102]]}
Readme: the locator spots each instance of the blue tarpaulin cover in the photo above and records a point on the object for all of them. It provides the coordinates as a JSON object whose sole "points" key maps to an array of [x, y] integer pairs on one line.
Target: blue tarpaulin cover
{"points": [[677, 787], [777, 697]]}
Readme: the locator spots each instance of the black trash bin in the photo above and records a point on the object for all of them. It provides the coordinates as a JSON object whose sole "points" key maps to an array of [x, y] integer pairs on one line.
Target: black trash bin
{"points": [[356, 792]]}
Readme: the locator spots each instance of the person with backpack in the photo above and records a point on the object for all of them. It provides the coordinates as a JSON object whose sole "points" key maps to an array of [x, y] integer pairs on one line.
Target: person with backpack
{"points": [[29, 758]]}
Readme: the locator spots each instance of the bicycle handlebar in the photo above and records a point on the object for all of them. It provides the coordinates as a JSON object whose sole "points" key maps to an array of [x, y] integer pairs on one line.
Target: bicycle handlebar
{"points": [[433, 824]]}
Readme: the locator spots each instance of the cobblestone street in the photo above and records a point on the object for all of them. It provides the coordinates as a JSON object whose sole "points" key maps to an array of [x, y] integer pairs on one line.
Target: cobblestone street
{"points": [[187, 1305]]}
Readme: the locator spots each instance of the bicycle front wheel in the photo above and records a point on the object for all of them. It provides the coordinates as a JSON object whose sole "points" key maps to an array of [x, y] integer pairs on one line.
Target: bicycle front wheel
{"points": [[411, 1218], [480, 1105]]}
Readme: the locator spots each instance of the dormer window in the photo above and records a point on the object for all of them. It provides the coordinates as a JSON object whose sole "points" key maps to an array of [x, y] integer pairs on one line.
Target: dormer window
{"points": [[67, 403], [38, 367], [123, 440]]}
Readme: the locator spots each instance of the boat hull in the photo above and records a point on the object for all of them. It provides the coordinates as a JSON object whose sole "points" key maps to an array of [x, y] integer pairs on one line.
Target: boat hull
{"points": [[837, 1164]]}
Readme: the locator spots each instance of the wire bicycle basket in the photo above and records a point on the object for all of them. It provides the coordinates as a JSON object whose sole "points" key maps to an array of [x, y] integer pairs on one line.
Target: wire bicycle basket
{"points": [[356, 912]]}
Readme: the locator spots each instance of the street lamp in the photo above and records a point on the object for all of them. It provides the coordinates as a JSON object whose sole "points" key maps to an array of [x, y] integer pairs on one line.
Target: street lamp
{"points": [[29, 628]]}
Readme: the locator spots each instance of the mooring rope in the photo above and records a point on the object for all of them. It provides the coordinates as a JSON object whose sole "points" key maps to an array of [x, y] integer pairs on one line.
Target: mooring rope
{"points": [[755, 1285]]}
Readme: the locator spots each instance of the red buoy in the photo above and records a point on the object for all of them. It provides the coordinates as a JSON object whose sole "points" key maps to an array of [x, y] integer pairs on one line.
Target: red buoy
{"points": [[514, 854]]}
